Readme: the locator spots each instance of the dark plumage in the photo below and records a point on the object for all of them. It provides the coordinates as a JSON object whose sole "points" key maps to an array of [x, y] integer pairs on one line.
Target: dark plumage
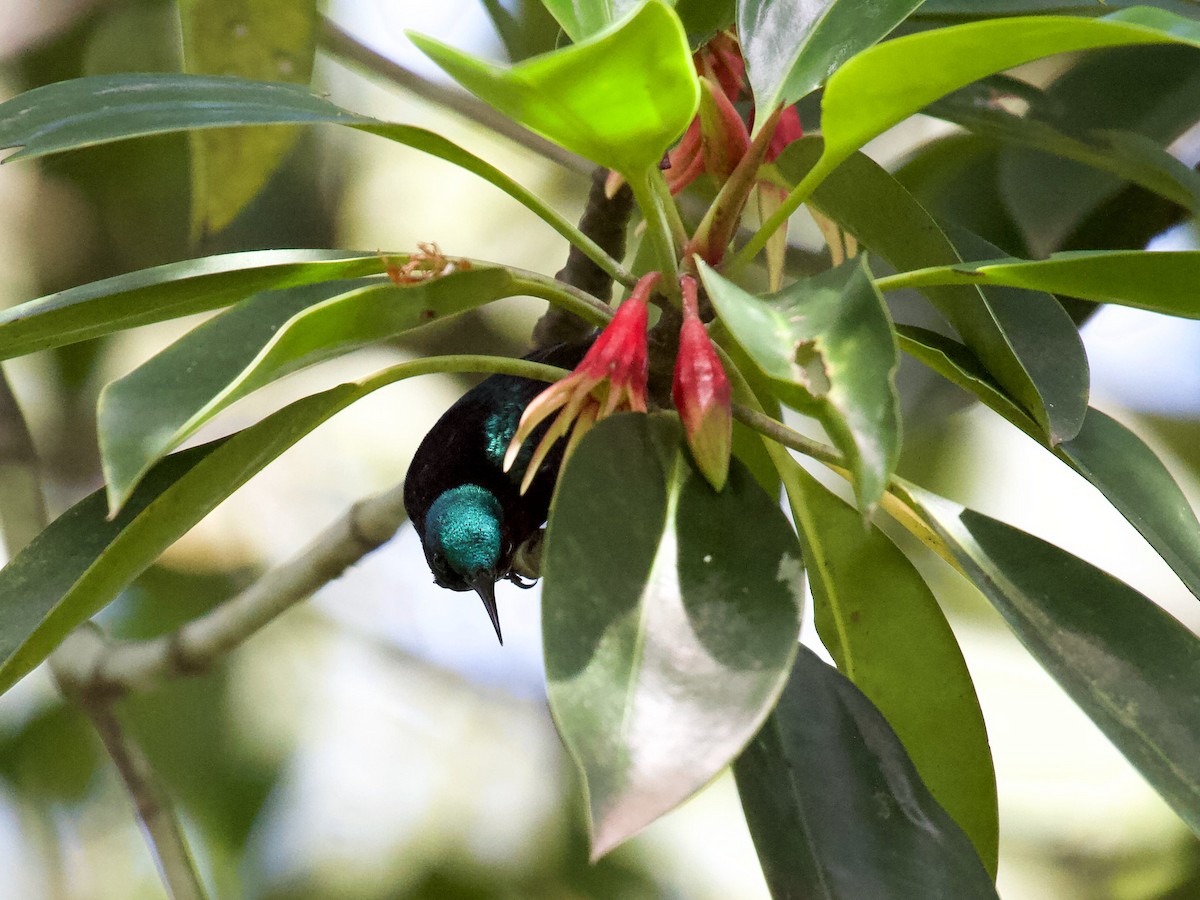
{"points": [[469, 512]]}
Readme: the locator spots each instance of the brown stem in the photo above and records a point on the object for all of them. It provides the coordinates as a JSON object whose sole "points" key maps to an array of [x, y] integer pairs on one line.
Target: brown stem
{"points": [[604, 220]]}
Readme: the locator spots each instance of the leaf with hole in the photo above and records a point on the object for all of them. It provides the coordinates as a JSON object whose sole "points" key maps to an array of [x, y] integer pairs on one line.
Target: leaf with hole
{"points": [[1028, 343], [827, 345]]}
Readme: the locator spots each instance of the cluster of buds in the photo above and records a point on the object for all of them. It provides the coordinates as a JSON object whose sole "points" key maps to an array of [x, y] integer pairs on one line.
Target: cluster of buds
{"points": [[612, 377], [718, 142], [718, 139]]}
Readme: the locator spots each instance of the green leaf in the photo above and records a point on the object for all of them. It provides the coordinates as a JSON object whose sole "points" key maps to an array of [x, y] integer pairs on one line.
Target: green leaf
{"points": [[271, 40], [888, 635], [701, 18], [1136, 482], [670, 617], [1129, 156], [1149, 91], [748, 445], [887, 83], [157, 406], [986, 9], [168, 292], [1162, 282], [1029, 344], [82, 561], [619, 98], [86, 112], [1105, 452], [704, 18], [827, 344], [792, 46], [836, 808], [583, 20], [51, 757], [1127, 663]]}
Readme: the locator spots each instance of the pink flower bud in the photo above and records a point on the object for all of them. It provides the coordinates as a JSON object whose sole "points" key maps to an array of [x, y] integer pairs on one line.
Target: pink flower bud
{"points": [[724, 139], [701, 393]]}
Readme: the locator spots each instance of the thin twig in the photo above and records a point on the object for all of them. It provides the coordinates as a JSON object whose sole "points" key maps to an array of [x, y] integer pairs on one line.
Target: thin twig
{"points": [[344, 46], [789, 437], [19, 457], [605, 220], [71, 664], [193, 648]]}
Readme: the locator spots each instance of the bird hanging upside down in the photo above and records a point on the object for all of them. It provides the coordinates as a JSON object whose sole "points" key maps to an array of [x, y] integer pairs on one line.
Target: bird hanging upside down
{"points": [[470, 513]]}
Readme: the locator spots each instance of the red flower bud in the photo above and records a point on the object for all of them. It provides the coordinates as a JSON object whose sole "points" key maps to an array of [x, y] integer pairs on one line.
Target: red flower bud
{"points": [[616, 366], [701, 393]]}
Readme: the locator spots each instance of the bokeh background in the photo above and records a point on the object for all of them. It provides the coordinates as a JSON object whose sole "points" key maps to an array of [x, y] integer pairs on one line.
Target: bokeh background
{"points": [[375, 741]]}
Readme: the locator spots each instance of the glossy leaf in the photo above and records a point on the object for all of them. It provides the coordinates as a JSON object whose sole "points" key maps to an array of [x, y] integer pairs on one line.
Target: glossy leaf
{"points": [[582, 20], [889, 82], [1114, 459], [168, 292], [158, 405], [619, 98], [1030, 347], [82, 561], [272, 40], [1126, 155], [986, 9], [701, 18], [887, 634], [704, 18], [827, 344], [792, 46], [1124, 660], [1163, 282], [836, 808], [86, 112], [1146, 96], [670, 618]]}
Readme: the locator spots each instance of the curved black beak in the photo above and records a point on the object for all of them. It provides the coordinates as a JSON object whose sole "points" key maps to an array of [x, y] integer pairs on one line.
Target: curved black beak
{"points": [[485, 586]]}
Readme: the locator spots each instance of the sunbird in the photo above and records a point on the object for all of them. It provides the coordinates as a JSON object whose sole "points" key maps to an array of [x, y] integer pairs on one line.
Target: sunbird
{"points": [[469, 512]]}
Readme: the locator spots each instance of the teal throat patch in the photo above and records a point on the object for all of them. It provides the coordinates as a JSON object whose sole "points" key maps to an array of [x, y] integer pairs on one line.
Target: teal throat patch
{"points": [[463, 528], [499, 429]]}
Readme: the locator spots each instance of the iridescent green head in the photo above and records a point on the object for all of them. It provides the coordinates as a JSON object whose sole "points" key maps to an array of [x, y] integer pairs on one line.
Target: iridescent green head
{"points": [[464, 543]]}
